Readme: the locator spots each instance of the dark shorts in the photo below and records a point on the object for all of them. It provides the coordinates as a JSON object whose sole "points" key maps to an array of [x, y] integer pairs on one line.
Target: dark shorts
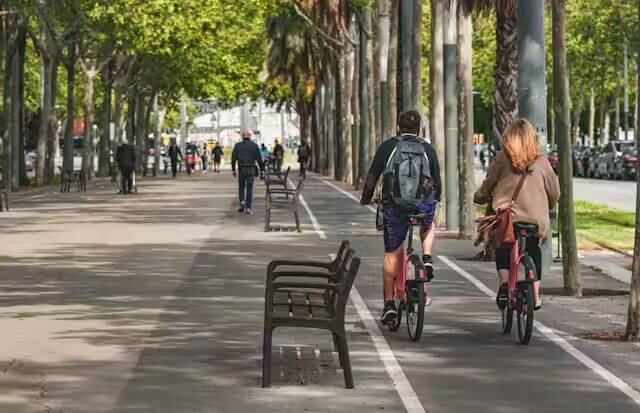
{"points": [[503, 256], [396, 223]]}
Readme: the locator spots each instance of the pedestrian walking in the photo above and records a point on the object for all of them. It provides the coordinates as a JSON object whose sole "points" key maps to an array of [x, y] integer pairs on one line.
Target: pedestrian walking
{"points": [[482, 159], [304, 157], [247, 156], [217, 155], [205, 158], [126, 160], [278, 155], [174, 154]]}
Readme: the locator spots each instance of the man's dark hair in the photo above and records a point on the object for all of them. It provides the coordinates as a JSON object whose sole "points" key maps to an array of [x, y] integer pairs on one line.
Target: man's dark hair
{"points": [[409, 122]]}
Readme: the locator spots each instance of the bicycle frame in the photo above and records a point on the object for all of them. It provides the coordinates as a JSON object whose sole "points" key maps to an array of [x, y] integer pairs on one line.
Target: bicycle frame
{"points": [[518, 252], [401, 279]]}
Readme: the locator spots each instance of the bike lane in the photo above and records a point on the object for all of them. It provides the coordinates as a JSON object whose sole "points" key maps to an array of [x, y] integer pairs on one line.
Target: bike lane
{"points": [[462, 361]]}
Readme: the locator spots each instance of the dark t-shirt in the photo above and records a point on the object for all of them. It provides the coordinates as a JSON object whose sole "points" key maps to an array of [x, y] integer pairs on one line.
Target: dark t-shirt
{"points": [[379, 165]]}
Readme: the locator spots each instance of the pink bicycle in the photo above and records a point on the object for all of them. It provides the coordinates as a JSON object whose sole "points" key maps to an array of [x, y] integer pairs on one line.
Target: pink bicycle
{"points": [[522, 276], [411, 293]]}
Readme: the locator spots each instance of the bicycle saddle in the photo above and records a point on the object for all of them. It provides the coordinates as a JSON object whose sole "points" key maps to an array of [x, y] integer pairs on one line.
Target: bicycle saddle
{"points": [[527, 228]]}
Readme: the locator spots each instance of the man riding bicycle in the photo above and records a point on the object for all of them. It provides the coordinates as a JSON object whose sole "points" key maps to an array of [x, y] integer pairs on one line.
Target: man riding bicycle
{"points": [[411, 186]]}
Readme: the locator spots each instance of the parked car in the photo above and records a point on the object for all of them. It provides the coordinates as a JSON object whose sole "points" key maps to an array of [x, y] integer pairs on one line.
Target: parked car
{"points": [[609, 162], [576, 151], [630, 164], [587, 162], [553, 160]]}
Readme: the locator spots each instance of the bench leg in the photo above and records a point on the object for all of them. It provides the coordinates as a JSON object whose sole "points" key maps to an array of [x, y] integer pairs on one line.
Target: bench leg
{"points": [[297, 217], [336, 348], [266, 356], [343, 354], [267, 219]]}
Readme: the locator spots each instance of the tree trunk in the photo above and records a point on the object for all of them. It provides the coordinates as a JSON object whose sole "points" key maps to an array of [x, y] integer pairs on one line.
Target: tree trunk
{"points": [[592, 117], [139, 135], [602, 136], [616, 116], [348, 61], [8, 149], [371, 86], [316, 131], [118, 116], [570, 267], [436, 75], [355, 109], [633, 319], [506, 71], [52, 135], [160, 116], [465, 127], [577, 112], [385, 46], [104, 153], [338, 172], [132, 101], [22, 133], [416, 59], [392, 69], [67, 158], [146, 127], [376, 107], [88, 152], [44, 171], [365, 102]]}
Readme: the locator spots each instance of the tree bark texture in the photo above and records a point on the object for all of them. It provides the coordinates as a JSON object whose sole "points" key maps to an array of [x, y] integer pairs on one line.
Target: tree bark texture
{"points": [[104, 155], [633, 319], [416, 59], [392, 71], [348, 61], [570, 267], [67, 157], [592, 116], [506, 72], [88, 104]]}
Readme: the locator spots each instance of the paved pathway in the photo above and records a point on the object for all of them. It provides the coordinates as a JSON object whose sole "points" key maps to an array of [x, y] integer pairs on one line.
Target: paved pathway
{"points": [[153, 303]]}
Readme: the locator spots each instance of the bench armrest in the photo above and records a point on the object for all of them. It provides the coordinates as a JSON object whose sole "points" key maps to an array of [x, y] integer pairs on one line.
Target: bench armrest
{"points": [[297, 263], [317, 286], [301, 274]]}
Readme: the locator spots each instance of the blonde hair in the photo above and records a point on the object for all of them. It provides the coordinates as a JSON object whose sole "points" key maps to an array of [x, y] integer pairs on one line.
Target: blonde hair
{"points": [[520, 143]]}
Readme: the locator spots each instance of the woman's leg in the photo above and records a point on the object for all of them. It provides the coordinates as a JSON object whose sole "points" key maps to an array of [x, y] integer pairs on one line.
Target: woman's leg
{"points": [[503, 262], [533, 249]]}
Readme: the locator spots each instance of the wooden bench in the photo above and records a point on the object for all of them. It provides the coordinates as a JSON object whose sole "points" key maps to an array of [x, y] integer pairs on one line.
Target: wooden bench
{"points": [[285, 200], [316, 299], [277, 178], [69, 177]]}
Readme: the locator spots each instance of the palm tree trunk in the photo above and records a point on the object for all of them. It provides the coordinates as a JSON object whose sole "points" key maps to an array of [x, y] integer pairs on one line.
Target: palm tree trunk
{"points": [[633, 319], [506, 72], [465, 126], [570, 267]]}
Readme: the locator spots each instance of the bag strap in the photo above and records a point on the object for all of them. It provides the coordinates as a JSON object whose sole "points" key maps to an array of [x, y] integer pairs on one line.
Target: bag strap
{"points": [[516, 193]]}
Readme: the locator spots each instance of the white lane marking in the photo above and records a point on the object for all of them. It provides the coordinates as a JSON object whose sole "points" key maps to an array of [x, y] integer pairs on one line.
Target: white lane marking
{"points": [[551, 334], [400, 381], [314, 221], [555, 337], [342, 191]]}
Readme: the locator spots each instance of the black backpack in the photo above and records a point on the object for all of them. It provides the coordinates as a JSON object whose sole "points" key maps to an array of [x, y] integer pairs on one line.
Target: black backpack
{"points": [[407, 177], [303, 152]]}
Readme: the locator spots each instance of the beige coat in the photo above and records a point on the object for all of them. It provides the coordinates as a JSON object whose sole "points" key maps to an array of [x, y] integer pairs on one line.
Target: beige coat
{"points": [[540, 192]]}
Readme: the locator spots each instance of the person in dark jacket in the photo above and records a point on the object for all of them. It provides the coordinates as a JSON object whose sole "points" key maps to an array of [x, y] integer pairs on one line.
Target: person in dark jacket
{"points": [[174, 153], [246, 154], [217, 155], [304, 156], [278, 154], [126, 160]]}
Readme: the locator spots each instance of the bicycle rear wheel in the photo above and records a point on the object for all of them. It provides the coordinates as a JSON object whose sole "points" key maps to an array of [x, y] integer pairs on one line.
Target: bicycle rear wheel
{"points": [[507, 319], [415, 308], [526, 301]]}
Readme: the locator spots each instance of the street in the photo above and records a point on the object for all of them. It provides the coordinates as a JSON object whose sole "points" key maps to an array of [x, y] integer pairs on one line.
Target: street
{"points": [[154, 303], [615, 194]]}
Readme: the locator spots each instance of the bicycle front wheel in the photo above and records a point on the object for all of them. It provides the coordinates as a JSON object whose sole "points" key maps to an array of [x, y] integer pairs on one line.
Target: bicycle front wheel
{"points": [[526, 305], [415, 308]]}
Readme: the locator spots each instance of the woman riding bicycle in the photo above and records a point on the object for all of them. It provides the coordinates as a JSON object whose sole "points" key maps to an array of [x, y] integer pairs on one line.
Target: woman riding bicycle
{"points": [[540, 192]]}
